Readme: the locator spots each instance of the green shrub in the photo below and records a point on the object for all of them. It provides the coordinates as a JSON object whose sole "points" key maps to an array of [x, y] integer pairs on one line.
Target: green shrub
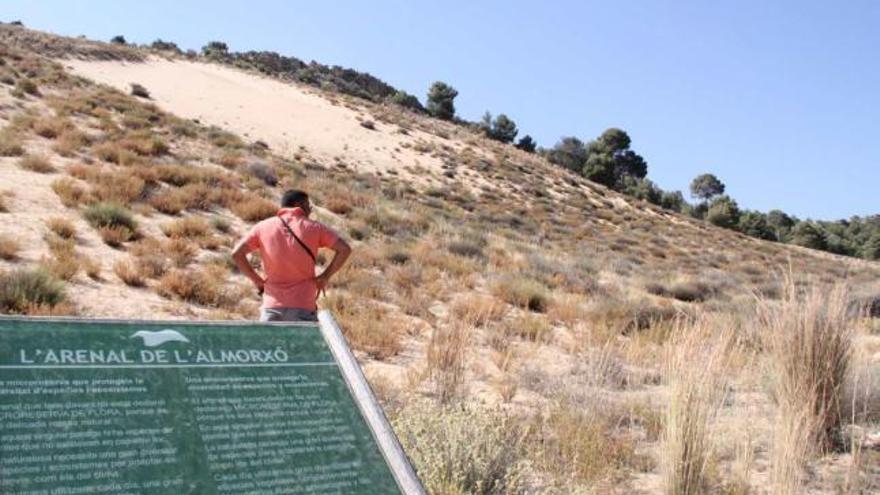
{"points": [[110, 215], [406, 100], [460, 450], [723, 212], [441, 99], [21, 290], [754, 224], [217, 50], [808, 234], [170, 46], [502, 128], [527, 144], [871, 249]]}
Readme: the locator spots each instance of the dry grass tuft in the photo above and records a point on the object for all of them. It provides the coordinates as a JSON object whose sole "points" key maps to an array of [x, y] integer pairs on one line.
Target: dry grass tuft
{"points": [[121, 187], [27, 86], [181, 252], [91, 267], [687, 291], [51, 128], [70, 192], [338, 205], [231, 160], [446, 360], [367, 327], [63, 264], [110, 215], [115, 236], [129, 273], [10, 144], [169, 202], [9, 248], [581, 444], [478, 310], [114, 153], [23, 290], [203, 287], [809, 337], [150, 257], [696, 362], [567, 309], [534, 328], [69, 142], [254, 209], [37, 163], [187, 228], [522, 292], [61, 227]]}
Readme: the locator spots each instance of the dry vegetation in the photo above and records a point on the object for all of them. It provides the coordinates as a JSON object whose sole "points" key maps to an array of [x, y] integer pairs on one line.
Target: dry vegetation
{"points": [[578, 342]]}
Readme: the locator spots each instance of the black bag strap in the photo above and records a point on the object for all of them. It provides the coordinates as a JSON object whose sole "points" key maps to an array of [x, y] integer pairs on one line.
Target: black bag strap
{"points": [[301, 243]]}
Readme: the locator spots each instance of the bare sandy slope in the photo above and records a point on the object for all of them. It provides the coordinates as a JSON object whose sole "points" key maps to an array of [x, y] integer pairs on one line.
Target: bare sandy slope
{"points": [[285, 116]]}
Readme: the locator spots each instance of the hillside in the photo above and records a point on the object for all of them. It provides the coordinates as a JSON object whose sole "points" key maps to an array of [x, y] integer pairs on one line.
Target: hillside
{"points": [[482, 275]]}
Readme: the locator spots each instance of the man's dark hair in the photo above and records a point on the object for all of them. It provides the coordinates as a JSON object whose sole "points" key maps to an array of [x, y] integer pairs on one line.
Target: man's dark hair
{"points": [[294, 198]]}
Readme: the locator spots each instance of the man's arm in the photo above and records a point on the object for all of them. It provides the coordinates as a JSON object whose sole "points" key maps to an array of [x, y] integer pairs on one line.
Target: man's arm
{"points": [[239, 256], [341, 251]]}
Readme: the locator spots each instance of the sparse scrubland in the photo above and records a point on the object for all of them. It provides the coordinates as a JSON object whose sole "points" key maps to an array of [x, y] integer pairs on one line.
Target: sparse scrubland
{"points": [[528, 331]]}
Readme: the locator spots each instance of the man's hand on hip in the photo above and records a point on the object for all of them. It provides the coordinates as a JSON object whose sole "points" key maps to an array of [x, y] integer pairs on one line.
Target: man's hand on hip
{"points": [[321, 281]]}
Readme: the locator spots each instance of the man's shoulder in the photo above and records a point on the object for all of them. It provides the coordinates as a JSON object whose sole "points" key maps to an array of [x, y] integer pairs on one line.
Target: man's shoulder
{"points": [[266, 224], [316, 224]]}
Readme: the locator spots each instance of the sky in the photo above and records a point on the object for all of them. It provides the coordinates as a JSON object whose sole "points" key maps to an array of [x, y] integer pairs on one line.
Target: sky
{"points": [[780, 99]]}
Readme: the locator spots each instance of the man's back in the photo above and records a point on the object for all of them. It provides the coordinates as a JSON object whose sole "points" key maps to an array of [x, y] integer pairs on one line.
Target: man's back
{"points": [[290, 270]]}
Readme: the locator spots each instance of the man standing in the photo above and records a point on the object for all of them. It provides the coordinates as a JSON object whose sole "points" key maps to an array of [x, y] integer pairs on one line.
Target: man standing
{"points": [[288, 244]]}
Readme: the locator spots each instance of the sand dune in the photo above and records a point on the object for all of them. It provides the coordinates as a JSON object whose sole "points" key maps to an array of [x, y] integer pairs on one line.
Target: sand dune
{"points": [[286, 116]]}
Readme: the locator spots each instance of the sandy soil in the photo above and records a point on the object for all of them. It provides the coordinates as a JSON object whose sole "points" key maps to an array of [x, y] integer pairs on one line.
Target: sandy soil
{"points": [[291, 119]]}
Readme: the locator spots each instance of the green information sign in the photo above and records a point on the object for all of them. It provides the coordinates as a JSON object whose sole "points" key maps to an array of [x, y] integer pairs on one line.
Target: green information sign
{"points": [[204, 408]]}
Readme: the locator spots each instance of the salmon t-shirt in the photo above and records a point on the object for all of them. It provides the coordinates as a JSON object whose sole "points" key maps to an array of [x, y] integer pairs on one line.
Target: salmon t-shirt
{"points": [[290, 271]]}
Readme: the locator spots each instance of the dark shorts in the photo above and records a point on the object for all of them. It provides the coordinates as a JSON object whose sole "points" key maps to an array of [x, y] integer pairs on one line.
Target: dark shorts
{"points": [[287, 314]]}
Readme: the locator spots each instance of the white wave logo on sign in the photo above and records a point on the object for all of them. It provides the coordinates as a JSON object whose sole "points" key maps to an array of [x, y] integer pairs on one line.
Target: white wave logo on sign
{"points": [[159, 337]]}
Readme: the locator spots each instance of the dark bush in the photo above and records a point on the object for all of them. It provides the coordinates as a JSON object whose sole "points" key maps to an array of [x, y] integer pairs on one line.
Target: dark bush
{"points": [[406, 100], [263, 172], [441, 100], [706, 186], [466, 249], [723, 212], [691, 291], [28, 86], [809, 235], [527, 144], [398, 257], [569, 153], [118, 40], [138, 90], [754, 224], [502, 128], [165, 46], [215, 50], [672, 200]]}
